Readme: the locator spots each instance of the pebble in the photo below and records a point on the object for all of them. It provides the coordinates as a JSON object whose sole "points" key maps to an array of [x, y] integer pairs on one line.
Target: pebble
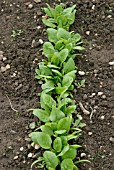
{"points": [[36, 146], [103, 97], [87, 32], [102, 117], [30, 155], [21, 149], [95, 71], [81, 73], [90, 133], [30, 6], [109, 16], [38, 27], [16, 157], [100, 93], [93, 7], [3, 69], [85, 96], [7, 66], [83, 154], [111, 63], [40, 41], [111, 139], [4, 59], [37, 1]]}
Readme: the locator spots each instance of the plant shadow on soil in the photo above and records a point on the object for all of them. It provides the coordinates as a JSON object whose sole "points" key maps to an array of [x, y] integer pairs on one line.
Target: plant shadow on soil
{"points": [[19, 85]]}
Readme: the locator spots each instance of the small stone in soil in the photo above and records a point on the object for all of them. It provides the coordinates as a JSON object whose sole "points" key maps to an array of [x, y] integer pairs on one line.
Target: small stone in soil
{"points": [[21, 149], [37, 1], [81, 73], [83, 154], [87, 32], [90, 133], [16, 157], [102, 117], [30, 6], [111, 63], [111, 139], [30, 155], [40, 41], [100, 93]]}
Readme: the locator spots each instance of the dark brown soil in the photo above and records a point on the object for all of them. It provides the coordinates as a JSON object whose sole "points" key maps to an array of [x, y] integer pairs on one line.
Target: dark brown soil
{"points": [[20, 90]]}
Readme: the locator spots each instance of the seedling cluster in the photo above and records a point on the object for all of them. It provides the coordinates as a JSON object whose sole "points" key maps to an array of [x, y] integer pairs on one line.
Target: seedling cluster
{"points": [[58, 72]]}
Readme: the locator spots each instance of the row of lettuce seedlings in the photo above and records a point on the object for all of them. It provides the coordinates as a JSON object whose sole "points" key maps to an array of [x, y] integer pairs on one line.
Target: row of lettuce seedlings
{"points": [[58, 133]]}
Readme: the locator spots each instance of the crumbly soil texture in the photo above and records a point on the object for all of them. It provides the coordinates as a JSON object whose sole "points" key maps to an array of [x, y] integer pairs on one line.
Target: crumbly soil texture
{"points": [[21, 29]]}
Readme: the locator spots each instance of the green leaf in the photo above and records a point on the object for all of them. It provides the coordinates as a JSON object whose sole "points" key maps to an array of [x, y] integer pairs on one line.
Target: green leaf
{"points": [[41, 114], [47, 11], [68, 10], [46, 129], [71, 153], [41, 139], [57, 144], [76, 146], [75, 167], [76, 37], [55, 59], [56, 114], [71, 18], [71, 74], [48, 85], [52, 35], [70, 109], [65, 149], [79, 48], [59, 132], [59, 45], [63, 34], [57, 72], [67, 164], [48, 49], [50, 159], [52, 125], [48, 23], [63, 55], [64, 124], [47, 100], [67, 81], [69, 66]]}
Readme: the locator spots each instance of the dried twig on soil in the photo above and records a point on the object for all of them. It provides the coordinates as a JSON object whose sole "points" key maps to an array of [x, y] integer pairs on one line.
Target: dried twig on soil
{"points": [[86, 112], [11, 104]]}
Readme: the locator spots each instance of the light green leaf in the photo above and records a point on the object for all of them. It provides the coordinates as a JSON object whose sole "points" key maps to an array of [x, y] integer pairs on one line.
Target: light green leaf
{"points": [[71, 153], [56, 114], [57, 144], [32, 125], [41, 139], [48, 49], [64, 124], [46, 129], [49, 84], [70, 109], [80, 48], [68, 10], [65, 149], [69, 66], [63, 55], [67, 81], [41, 114], [47, 100], [48, 23], [71, 74], [50, 159], [71, 17], [59, 132], [63, 34], [67, 164], [52, 35]]}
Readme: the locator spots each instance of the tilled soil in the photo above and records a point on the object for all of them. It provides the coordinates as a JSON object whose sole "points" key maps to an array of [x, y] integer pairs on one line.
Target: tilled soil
{"points": [[19, 90]]}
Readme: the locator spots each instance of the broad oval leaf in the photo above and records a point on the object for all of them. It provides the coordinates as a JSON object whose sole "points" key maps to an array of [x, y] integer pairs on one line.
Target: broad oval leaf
{"points": [[64, 124], [50, 159], [46, 129], [63, 34], [52, 35], [41, 139], [48, 49], [65, 149], [67, 164], [71, 153], [63, 55], [56, 114], [69, 66], [41, 114], [70, 109], [48, 23], [57, 144], [47, 100]]}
